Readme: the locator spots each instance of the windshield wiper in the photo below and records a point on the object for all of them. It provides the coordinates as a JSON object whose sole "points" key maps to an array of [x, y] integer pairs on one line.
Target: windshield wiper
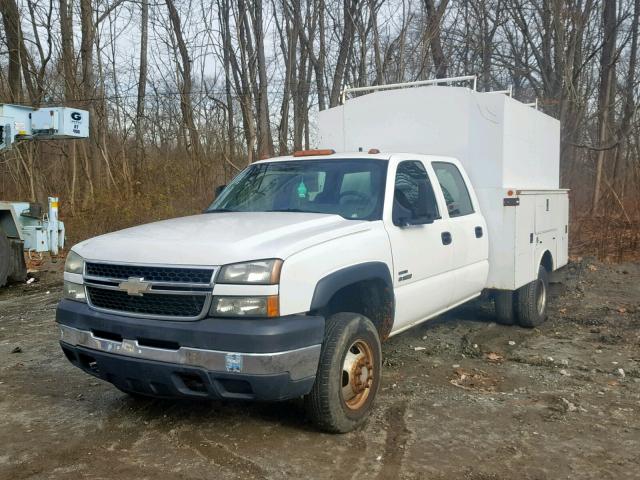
{"points": [[220, 210], [289, 210]]}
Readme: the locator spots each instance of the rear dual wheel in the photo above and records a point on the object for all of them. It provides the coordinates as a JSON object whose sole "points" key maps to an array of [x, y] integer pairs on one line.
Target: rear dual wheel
{"points": [[348, 376], [532, 301], [527, 306], [504, 301]]}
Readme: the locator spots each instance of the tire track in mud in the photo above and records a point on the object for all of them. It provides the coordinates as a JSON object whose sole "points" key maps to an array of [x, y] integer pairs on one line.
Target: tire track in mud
{"points": [[222, 456], [348, 468], [398, 435]]}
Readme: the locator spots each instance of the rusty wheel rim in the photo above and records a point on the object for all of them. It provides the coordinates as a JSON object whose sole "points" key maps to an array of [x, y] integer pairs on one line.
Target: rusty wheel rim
{"points": [[357, 374]]}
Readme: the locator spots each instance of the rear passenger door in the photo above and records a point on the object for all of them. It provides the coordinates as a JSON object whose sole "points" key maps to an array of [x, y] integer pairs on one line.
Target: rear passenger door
{"points": [[468, 231]]}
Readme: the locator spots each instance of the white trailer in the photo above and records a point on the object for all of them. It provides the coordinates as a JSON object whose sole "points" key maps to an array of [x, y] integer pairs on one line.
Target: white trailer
{"points": [[509, 150]]}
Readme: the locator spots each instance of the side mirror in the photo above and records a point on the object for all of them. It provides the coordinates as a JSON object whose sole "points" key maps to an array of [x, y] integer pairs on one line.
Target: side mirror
{"points": [[414, 221], [218, 191], [425, 220]]}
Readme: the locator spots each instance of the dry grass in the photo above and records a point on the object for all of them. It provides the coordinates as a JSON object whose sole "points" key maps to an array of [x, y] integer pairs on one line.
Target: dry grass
{"points": [[172, 190], [162, 193], [609, 238]]}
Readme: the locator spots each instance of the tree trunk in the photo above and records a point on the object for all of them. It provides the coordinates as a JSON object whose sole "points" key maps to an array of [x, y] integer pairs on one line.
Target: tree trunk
{"points": [[87, 41], [223, 18], [11, 22], [349, 8], [69, 77], [265, 141], [606, 93], [142, 84], [288, 46], [186, 106], [434, 18]]}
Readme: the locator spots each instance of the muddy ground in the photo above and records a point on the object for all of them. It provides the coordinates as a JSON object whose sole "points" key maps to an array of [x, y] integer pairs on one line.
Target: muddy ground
{"points": [[462, 397]]}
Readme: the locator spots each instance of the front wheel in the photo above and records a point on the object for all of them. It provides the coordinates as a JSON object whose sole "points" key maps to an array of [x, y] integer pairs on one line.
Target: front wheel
{"points": [[348, 374]]}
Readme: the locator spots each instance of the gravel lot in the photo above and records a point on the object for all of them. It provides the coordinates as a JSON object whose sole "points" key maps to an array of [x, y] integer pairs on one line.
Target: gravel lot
{"points": [[461, 398]]}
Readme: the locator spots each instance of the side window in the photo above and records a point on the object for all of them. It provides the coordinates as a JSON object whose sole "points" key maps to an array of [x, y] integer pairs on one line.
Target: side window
{"points": [[413, 197], [454, 189]]}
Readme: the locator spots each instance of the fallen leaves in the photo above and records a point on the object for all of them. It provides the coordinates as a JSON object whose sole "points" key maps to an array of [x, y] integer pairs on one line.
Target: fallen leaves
{"points": [[494, 357], [474, 379]]}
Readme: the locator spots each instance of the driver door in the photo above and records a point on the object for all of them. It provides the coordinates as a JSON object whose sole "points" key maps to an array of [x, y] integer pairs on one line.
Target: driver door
{"points": [[422, 258]]}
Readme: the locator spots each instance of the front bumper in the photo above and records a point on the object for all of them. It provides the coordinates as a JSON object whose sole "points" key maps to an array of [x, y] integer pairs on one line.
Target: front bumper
{"points": [[254, 359]]}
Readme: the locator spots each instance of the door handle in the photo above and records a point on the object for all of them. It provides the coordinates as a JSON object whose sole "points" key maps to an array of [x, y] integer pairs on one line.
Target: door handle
{"points": [[446, 238], [479, 232]]}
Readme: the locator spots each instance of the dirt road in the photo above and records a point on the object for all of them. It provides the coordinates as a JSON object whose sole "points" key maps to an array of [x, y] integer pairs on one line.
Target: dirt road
{"points": [[462, 398]]}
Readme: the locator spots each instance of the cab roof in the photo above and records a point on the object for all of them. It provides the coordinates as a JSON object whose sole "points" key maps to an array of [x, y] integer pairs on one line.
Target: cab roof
{"points": [[362, 155], [337, 156]]}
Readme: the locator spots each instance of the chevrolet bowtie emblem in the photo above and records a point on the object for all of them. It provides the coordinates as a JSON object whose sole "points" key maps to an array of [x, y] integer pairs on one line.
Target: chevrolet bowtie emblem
{"points": [[135, 287]]}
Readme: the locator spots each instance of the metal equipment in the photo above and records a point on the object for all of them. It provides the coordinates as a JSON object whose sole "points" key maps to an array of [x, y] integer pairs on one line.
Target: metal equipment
{"points": [[23, 225]]}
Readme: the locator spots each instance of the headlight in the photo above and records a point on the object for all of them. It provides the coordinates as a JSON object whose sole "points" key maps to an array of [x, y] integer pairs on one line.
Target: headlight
{"points": [[74, 291], [74, 263], [259, 272], [245, 306]]}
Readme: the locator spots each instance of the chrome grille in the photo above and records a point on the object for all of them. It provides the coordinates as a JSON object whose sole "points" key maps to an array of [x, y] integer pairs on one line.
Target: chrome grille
{"points": [[172, 293], [165, 305], [152, 274]]}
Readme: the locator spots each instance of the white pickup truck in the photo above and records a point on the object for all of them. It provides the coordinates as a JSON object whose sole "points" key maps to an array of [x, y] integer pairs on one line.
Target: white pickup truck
{"points": [[287, 284]]}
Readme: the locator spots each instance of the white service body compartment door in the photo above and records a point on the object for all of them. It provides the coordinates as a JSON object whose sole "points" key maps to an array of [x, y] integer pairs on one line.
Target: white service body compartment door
{"points": [[563, 239], [542, 220], [525, 241]]}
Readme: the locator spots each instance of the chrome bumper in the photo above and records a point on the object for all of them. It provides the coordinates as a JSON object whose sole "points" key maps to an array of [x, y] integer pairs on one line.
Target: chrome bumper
{"points": [[300, 363]]}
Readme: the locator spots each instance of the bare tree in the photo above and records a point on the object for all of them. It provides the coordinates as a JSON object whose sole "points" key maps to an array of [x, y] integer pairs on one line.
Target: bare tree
{"points": [[13, 32], [435, 13], [606, 92], [265, 140], [186, 106], [349, 11], [142, 85]]}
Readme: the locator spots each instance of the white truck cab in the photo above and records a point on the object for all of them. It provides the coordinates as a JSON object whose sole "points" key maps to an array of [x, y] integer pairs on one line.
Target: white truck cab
{"points": [[289, 282]]}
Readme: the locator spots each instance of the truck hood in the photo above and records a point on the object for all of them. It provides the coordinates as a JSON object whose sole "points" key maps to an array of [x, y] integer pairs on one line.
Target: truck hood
{"points": [[219, 238]]}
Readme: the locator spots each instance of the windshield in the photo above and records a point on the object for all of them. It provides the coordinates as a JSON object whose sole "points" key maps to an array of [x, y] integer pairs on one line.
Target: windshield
{"points": [[353, 189]]}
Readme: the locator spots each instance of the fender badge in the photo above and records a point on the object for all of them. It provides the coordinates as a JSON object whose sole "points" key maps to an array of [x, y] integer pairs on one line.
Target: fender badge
{"points": [[233, 362]]}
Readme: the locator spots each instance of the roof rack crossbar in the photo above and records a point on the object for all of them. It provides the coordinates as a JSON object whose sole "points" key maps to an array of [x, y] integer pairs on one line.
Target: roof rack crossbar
{"points": [[434, 81], [508, 91]]}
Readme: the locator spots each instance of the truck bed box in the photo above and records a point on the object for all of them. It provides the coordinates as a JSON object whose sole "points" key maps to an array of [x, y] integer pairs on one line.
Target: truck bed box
{"points": [[510, 151]]}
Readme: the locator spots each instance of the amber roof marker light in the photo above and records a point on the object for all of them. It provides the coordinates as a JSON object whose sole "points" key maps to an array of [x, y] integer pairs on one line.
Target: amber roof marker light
{"points": [[313, 153]]}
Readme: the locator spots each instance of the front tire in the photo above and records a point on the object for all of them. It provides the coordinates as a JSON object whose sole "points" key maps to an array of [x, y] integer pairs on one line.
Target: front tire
{"points": [[532, 300], [348, 376]]}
